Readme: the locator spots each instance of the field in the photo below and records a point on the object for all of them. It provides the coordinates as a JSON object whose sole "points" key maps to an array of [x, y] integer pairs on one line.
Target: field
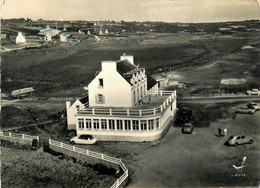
{"points": [[63, 70], [199, 59], [41, 169]]}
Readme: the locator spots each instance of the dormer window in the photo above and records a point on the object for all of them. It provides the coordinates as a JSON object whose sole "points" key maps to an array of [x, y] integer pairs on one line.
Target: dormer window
{"points": [[101, 82]]}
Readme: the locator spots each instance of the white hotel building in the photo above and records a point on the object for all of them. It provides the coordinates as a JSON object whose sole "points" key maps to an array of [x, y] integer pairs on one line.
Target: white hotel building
{"points": [[123, 104]]}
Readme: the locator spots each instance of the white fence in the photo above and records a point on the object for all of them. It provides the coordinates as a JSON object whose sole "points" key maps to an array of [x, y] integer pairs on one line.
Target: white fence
{"points": [[95, 155], [18, 136], [126, 112]]}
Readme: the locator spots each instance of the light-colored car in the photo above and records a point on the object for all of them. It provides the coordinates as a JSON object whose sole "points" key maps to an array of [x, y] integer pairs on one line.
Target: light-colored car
{"points": [[254, 105], [83, 139], [187, 128], [239, 139], [245, 110], [253, 92]]}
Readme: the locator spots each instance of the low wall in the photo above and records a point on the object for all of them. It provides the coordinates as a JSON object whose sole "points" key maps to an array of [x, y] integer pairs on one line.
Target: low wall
{"points": [[83, 157], [20, 139], [17, 140]]}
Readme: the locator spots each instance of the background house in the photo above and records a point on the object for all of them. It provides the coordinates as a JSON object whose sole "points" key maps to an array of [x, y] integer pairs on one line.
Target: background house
{"points": [[20, 38]]}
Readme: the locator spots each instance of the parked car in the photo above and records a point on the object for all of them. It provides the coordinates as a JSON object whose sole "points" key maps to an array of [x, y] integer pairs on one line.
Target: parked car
{"points": [[253, 92], [245, 110], [187, 128], [83, 139], [254, 105], [184, 115], [239, 139]]}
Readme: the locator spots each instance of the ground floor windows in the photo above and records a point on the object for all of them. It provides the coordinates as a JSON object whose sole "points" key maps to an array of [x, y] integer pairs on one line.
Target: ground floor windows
{"points": [[143, 125], [96, 123], [119, 124], [128, 125], [111, 123], [157, 123], [81, 123], [151, 124], [135, 125], [103, 124], [88, 123]]}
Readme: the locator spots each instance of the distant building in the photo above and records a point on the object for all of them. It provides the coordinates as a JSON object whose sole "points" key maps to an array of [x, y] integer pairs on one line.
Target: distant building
{"points": [[225, 29], [20, 38], [237, 26], [48, 37], [23, 91], [89, 33], [106, 32], [63, 38], [124, 104], [48, 30], [100, 32], [3, 36]]}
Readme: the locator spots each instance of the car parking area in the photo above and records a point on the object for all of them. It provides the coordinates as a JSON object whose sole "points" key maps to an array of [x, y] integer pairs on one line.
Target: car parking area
{"points": [[197, 159]]}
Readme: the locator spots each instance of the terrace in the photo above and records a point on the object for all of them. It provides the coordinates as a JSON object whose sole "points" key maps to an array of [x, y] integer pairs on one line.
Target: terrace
{"points": [[154, 103]]}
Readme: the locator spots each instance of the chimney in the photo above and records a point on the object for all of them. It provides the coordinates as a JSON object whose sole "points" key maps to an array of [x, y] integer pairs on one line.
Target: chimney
{"points": [[130, 58], [108, 65], [68, 104]]}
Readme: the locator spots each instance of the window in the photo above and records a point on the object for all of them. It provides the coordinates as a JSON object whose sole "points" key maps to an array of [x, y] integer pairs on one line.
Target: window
{"points": [[157, 123], [101, 83], [134, 96], [111, 124], [95, 123], [100, 99], [127, 125], [150, 124], [81, 123], [103, 124], [143, 125], [88, 123], [119, 124], [135, 125]]}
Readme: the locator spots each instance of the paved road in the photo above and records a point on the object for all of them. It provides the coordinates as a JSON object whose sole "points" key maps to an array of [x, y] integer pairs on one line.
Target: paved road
{"points": [[214, 99], [29, 125], [217, 99]]}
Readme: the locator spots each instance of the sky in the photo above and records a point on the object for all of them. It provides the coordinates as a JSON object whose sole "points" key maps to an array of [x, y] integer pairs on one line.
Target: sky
{"points": [[133, 10]]}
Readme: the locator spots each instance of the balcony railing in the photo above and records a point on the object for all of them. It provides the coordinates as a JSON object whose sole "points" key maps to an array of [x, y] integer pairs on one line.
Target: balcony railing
{"points": [[127, 112]]}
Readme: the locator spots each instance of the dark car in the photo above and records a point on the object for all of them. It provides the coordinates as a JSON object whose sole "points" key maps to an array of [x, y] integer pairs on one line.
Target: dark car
{"points": [[187, 128], [184, 115]]}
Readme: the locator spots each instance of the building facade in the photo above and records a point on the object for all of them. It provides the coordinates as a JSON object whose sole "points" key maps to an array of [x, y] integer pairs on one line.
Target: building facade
{"points": [[124, 104]]}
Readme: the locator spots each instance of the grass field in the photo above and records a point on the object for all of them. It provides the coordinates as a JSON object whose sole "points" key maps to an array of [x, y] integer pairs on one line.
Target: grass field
{"points": [[27, 168], [208, 58]]}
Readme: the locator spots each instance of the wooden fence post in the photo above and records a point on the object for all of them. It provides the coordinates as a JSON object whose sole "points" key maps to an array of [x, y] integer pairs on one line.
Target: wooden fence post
{"points": [[73, 147], [87, 152], [102, 156], [22, 135], [10, 134]]}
